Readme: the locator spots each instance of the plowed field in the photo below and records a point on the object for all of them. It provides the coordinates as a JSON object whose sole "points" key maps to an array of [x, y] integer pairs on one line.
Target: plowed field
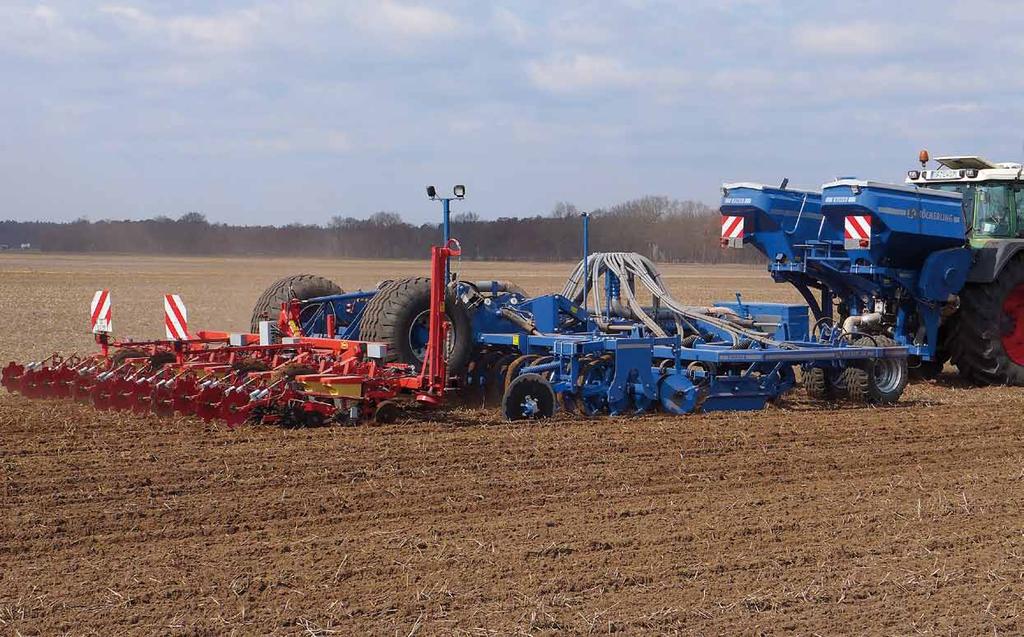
{"points": [[803, 518]]}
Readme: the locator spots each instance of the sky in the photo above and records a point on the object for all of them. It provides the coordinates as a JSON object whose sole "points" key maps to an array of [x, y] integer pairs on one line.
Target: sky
{"points": [[280, 112]]}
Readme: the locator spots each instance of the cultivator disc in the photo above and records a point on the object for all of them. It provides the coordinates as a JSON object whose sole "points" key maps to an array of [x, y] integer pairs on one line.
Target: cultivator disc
{"points": [[299, 385]]}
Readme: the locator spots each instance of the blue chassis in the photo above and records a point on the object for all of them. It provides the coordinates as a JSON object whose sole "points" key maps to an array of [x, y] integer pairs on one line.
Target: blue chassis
{"points": [[640, 371], [915, 261], [643, 371]]}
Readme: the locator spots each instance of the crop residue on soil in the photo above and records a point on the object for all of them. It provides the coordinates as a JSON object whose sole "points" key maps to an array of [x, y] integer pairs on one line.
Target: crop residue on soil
{"points": [[801, 518]]}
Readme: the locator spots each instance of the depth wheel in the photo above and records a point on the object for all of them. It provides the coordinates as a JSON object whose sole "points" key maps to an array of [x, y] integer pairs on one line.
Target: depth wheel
{"points": [[386, 412], [878, 381], [529, 397], [819, 385]]}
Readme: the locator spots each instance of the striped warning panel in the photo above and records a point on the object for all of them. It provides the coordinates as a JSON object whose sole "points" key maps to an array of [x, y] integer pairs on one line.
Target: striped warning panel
{"points": [[99, 312], [857, 231], [175, 318], [732, 231]]}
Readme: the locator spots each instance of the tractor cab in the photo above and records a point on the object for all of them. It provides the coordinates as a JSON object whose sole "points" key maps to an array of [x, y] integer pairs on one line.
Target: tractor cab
{"points": [[993, 193]]}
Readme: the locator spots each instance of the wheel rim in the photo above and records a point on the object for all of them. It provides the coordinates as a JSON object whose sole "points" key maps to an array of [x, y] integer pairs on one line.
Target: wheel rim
{"points": [[888, 374], [419, 334], [529, 406], [1012, 327]]}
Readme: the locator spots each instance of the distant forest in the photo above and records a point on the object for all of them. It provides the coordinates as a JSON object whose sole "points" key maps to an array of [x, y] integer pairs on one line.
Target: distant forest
{"points": [[665, 229]]}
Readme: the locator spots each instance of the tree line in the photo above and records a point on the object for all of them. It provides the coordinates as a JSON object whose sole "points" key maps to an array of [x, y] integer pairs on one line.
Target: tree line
{"points": [[664, 229]]}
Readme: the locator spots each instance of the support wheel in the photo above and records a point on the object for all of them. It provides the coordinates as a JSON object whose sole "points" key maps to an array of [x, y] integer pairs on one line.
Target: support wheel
{"points": [[386, 412], [297, 286], [878, 381], [819, 385], [398, 316], [529, 397]]}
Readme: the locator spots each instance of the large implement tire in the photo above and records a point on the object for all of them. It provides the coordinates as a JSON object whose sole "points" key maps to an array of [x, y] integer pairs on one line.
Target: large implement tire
{"points": [[398, 316], [297, 286], [879, 381], [988, 347]]}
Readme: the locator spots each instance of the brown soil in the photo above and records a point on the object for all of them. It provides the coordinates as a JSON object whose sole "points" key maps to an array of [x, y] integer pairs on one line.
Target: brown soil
{"points": [[802, 518]]}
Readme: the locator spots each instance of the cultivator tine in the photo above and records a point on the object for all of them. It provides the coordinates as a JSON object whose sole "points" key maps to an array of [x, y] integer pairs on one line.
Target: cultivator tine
{"points": [[208, 402], [229, 377], [235, 408], [82, 385], [38, 379], [101, 392], [183, 392], [10, 377]]}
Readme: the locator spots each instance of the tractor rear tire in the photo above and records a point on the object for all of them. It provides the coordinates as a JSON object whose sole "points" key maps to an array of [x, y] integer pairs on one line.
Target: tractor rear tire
{"points": [[397, 316], [988, 347], [877, 381], [297, 286]]}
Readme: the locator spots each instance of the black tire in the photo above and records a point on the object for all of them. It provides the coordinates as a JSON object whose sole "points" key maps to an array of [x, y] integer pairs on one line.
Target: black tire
{"points": [[297, 286], [122, 355], [819, 385], [977, 347], [386, 412], [158, 360], [244, 366], [393, 312], [877, 381], [926, 370], [528, 388]]}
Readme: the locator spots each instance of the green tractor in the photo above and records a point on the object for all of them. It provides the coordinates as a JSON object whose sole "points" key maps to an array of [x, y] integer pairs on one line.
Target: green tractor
{"points": [[984, 337]]}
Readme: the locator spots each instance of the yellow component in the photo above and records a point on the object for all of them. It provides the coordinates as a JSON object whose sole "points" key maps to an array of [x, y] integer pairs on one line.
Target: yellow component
{"points": [[340, 390], [574, 309], [294, 327], [515, 340]]}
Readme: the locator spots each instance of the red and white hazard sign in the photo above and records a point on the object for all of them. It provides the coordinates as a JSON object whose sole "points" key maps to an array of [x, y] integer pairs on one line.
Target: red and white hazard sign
{"points": [[99, 312], [858, 231], [175, 318], [732, 231]]}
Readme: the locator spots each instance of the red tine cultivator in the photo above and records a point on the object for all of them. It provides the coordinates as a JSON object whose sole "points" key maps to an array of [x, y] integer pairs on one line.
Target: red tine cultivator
{"points": [[236, 378]]}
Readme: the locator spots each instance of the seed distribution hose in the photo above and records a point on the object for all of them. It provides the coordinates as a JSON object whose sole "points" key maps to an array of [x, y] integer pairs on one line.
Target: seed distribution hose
{"points": [[630, 267]]}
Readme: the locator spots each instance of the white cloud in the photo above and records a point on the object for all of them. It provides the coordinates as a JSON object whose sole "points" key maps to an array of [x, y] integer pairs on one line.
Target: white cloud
{"points": [[583, 72], [228, 31], [957, 107], [855, 38], [405, 20], [510, 26], [298, 141], [43, 32]]}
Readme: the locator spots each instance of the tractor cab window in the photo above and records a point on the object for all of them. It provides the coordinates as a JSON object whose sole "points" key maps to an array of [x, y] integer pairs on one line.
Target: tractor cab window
{"points": [[1018, 192], [994, 210]]}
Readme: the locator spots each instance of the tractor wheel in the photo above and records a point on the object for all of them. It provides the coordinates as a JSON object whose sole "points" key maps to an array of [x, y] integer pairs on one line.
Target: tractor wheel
{"points": [[297, 286], [989, 344], [879, 381], [399, 316]]}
